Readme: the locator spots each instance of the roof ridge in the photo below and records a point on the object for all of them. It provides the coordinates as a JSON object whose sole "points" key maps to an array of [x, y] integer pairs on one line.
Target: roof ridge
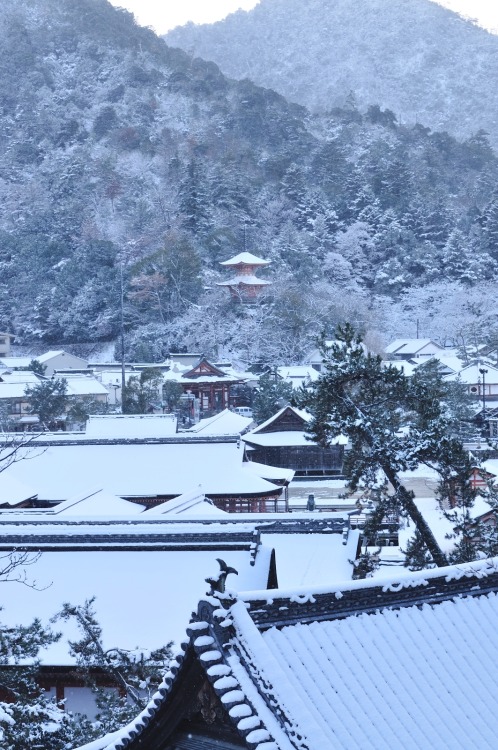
{"points": [[278, 608]]}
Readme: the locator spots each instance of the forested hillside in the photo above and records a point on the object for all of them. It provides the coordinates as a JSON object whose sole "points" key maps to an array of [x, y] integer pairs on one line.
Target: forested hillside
{"points": [[124, 158], [420, 60]]}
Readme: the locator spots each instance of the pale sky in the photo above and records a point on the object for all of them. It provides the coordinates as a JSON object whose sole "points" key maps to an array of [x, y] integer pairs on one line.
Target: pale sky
{"points": [[163, 15]]}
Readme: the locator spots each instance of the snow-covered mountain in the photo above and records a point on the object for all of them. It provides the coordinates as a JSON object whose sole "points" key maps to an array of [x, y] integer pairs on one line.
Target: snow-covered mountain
{"points": [[121, 154], [422, 61]]}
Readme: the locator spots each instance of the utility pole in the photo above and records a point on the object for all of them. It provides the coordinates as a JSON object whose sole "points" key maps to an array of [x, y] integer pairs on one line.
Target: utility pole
{"points": [[123, 373], [483, 372]]}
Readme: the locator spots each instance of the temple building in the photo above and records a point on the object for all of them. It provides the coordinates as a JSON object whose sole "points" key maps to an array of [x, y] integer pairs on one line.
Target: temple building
{"points": [[245, 286]]}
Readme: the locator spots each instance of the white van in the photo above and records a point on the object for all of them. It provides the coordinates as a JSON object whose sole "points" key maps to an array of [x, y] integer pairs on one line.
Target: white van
{"points": [[243, 411]]}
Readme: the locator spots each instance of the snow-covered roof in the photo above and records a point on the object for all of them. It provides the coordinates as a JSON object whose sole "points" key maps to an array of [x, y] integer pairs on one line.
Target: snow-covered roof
{"points": [[245, 259], [272, 473], [284, 438], [84, 385], [470, 375], [301, 413], [369, 664], [244, 280], [299, 375], [13, 390], [403, 365], [13, 384], [143, 599], [416, 677], [312, 559], [14, 491], [16, 362], [131, 425], [96, 503], [411, 346], [193, 503], [225, 423], [50, 355], [59, 469], [449, 360]]}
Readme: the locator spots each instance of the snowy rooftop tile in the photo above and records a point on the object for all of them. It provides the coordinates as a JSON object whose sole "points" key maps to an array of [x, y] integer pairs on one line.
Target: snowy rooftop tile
{"points": [[191, 503], [96, 504], [417, 677], [245, 258], [224, 423], [57, 472], [471, 375], [131, 425], [143, 599]]}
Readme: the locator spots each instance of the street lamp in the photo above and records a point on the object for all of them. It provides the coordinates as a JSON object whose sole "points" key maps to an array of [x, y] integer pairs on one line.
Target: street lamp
{"points": [[483, 372]]}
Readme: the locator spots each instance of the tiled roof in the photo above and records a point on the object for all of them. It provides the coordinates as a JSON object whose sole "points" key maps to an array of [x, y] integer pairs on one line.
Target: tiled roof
{"points": [[410, 665], [245, 258]]}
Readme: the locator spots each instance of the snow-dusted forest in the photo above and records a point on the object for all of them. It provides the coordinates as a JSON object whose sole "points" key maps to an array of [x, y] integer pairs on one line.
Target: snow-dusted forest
{"points": [[122, 155]]}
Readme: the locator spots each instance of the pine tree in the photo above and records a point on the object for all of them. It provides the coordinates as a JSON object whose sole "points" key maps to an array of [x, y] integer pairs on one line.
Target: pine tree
{"points": [[136, 674], [369, 401], [28, 717], [48, 400], [271, 394]]}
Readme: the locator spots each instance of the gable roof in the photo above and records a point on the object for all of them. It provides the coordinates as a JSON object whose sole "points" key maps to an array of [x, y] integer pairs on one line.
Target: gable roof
{"points": [[204, 371], [411, 346], [471, 375], [226, 422], [408, 663], [299, 417]]}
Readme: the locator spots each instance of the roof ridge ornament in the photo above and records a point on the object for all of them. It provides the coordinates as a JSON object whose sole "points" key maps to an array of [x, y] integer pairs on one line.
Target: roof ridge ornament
{"points": [[218, 582]]}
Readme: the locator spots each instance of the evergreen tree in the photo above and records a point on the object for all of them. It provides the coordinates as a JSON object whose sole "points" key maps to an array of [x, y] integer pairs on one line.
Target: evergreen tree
{"points": [[489, 223], [136, 674], [143, 392], [271, 395], [48, 400], [28, 717], [369, 401]]}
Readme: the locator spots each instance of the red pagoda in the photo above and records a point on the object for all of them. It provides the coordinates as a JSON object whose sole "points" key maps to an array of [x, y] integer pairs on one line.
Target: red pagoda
{"points": [[245, 286]]}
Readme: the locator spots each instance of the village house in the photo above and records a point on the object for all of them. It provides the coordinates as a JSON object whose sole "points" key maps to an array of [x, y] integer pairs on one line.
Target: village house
{"points": [[299, 376], [481, 381], [17, 409], [52, 361], [283, 441], [413, 349]]}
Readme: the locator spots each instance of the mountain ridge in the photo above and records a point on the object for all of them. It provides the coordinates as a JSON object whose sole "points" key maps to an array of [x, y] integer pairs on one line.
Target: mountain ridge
{"points": [[424, 62]]}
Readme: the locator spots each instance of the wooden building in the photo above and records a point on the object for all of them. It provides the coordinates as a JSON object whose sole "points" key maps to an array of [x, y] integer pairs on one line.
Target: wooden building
{"points": [[125, 562], [206, 388], [404, 663], [282, 441]]}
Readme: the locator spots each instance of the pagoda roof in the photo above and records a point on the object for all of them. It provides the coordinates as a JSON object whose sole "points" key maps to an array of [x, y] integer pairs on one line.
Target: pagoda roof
{"points": [[245, 259], [244, 281]]}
